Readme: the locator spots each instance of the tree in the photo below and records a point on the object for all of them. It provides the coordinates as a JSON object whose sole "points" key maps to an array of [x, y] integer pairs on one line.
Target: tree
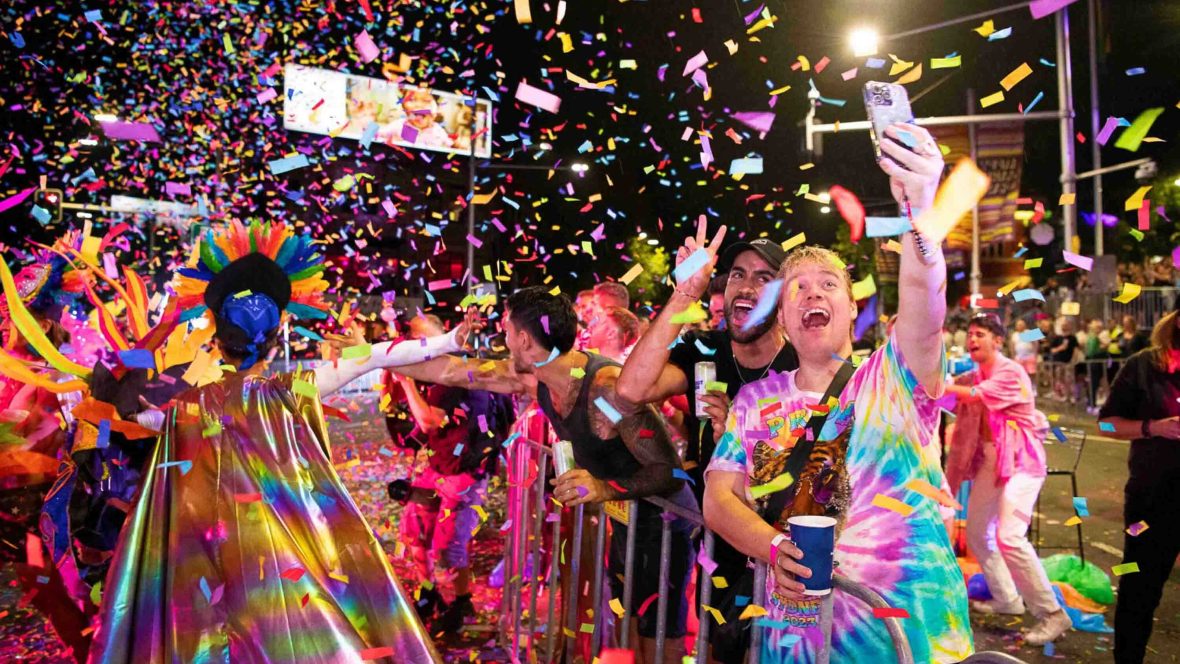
{"points": [[651, 285]]}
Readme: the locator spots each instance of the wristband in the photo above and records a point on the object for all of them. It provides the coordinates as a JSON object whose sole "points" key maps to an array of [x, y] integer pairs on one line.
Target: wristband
{"points": [[696, 298], [778, 539]]}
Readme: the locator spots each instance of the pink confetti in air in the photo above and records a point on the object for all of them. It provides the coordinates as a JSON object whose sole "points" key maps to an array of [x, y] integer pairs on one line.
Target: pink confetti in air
{"points": [[545, 323], [849, 75], [695, 62], [365, 46], [759, 121], [1107, 129], [1135, 529], [130, 131], [823, 62], [538, 97]]}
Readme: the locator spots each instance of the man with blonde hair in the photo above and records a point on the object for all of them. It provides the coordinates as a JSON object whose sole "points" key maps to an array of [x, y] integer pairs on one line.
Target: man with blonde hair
{"points": [[861, 453]]}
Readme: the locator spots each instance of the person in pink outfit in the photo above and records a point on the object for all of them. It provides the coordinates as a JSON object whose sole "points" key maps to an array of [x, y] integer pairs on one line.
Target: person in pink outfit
{"points": [[998, 443]]}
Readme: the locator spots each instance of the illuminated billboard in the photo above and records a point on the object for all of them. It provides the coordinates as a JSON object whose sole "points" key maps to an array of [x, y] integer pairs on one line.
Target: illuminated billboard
{"points": [[321, 101]]}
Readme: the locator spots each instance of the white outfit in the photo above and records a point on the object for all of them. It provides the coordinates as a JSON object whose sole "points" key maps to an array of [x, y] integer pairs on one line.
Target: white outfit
{"points": [[997, 522]]}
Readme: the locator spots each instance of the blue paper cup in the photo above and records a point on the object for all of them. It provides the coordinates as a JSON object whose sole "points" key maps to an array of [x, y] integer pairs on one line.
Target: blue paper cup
{"points": [[816, 538]]}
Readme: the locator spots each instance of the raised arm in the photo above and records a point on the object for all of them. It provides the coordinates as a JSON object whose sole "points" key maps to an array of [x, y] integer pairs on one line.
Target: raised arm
{"points": [[647, 376], [474, 374], [428, 418], [921, 309]]}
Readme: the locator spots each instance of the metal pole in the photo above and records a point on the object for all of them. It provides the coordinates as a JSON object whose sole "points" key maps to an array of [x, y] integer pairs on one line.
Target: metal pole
{"points": [[976, 270], [599, 557], [628, 571], [1098, 172], [471, 204], [983, 118], [662, 602], [1065, 104], [552, 623], [706, 583], [759, 599], [538, 525], [1095, 149], [575, 568]]}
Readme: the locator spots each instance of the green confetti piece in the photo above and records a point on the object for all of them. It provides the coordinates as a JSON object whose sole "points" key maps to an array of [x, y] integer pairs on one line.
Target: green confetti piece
{"points": [[213, 429], [357, 352], [304, 388], [1125, 568], [716, 385], [1134, 135], [773, 486]]}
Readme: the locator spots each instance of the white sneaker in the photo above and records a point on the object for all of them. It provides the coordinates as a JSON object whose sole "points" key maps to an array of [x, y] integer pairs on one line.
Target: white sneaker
{"points": [[993, 607], [1049, 628]]}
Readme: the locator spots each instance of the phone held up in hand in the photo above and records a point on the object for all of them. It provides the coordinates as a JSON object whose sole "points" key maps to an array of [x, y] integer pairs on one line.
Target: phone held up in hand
{"points": [[887, 104]]}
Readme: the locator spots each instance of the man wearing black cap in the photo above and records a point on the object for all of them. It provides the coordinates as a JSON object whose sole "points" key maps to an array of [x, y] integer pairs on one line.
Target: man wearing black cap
{"points": [[662, 364]]}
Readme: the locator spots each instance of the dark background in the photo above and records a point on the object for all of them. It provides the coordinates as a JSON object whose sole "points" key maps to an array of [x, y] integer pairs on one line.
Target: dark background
{"points": [[166, 63]]}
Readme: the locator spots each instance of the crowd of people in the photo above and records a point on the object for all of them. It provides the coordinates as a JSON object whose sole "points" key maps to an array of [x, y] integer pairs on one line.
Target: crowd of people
{"points": [[197, 513]]}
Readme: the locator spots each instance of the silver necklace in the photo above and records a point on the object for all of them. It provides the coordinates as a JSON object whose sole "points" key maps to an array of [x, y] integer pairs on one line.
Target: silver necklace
{"points": [[738, 367]]}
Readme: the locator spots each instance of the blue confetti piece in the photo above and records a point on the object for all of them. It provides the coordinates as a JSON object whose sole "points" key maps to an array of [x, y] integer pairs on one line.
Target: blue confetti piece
{"points": [[1048, 63], [137, 358], [308, 333], [1029, 336], [369, 134], [458, 449], [788, 640], [205, 589], [17, 40], [41, 215], [104, 435], [705, 350], [875, 63], [1080, 506], [741, 600], [766, 306], [1000, 34], [887, 226], [184, 466], [697, 260], [385, 451], [552, 355], [1059, 434], [1036, 100], [1136, 71], [1049, 649], [608, 410], [509, 439], [681, 475], [1028, 294], [1106, 426], [772, 624], [907, 138], [1023, 251], [94, 15], [280, 166]]}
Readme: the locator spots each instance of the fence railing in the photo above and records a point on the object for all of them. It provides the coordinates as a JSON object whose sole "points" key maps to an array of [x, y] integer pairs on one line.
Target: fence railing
{"points": [[528, 465]]}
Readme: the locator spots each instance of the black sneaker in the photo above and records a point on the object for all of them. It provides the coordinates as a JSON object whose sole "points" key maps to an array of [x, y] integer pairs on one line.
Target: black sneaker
{"points": [[450, 620], [428, 603]]}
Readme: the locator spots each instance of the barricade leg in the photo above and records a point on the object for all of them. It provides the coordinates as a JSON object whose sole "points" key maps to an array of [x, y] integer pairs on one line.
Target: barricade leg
{"points": [[703, 616], [535, 550], [600, 557], [572, 585], [662, 602], [628, 571]]}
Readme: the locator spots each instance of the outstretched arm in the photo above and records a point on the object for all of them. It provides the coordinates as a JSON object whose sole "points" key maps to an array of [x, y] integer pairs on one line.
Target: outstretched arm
{"points": [[921, 310], [331, 377], [489, 375], [647, 376]]}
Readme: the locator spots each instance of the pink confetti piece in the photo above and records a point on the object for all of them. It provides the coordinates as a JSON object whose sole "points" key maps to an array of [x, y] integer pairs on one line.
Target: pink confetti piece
{"points": [[695, 62], [365, 46], [537, 97]]}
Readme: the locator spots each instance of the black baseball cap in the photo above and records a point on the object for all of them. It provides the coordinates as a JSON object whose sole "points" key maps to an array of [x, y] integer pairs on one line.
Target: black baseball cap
{"points": [[770, 251]]}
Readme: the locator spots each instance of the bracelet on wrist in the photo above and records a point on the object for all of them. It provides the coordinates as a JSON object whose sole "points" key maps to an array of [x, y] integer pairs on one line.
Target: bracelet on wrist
{"points": [[690, 296]]}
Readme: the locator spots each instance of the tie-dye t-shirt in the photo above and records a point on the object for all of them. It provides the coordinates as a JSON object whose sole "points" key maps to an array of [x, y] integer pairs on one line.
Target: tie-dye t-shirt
{"points": [[906, 558]]}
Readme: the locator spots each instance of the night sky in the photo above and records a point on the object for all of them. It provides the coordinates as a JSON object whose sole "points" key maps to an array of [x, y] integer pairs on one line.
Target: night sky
{"points": [[168, 64]]}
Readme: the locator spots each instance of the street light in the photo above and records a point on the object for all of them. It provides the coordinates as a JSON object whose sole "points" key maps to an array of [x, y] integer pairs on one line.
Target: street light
{"points": [[105, 117], [864, 42]]}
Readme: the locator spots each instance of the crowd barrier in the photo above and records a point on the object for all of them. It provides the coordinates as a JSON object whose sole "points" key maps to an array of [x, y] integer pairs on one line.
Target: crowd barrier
{"points": [[1078, 381], [528, 550]]}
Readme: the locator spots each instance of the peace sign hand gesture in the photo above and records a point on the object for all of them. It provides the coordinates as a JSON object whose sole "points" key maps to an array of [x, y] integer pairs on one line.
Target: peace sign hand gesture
{"points": [[697, 283]]}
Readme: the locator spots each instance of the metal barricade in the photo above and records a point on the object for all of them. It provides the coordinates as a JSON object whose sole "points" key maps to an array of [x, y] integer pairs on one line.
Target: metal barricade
{"points": [[528, 463], [1074, 382]]}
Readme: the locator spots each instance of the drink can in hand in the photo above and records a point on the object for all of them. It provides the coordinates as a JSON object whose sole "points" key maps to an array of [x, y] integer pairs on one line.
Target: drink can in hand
{"points": [[563, 457], [816, 538], [704, 373]]}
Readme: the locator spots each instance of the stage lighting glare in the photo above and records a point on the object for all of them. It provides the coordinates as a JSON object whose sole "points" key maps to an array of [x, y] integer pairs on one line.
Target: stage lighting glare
{"points": [[579, 167]]}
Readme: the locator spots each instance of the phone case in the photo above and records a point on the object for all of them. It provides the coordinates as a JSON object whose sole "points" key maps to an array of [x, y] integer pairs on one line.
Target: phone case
{"points": [[886, 103]]}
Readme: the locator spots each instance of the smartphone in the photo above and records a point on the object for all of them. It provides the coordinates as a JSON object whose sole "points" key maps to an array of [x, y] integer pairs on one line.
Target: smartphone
{"points": [[886, 103]]}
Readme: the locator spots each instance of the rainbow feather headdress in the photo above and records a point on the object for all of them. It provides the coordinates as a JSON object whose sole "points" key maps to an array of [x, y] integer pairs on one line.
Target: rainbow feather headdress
{"points": [[294, 254]]}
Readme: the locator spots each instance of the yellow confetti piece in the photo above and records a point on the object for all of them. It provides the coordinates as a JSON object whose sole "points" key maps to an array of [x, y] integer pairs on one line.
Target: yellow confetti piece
{"points": [[342, 578], [959, 193], [304, 388], [864, 289], [924, 488], [1032, 263], [616, 606], [631, 274], [720, 582], [794, 241], [752, 611], [359, 351], [892, 245], [892, 504], [715, 613], [899, 65], [586, 628], [910, 76], [992, 100], [1067, 199], [1073, 520], [695, 313], [988, 27], [1017, 75], [578, 372], [1130, 292], [1136, 200], [946, 63]]}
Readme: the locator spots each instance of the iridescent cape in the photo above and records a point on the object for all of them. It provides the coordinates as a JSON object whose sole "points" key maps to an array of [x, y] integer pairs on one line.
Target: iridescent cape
{"points": [[245, 546]]}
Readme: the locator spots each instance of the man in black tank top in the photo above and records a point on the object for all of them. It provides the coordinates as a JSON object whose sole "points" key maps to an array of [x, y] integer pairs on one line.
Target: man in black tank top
{"points": [[622, 449]]}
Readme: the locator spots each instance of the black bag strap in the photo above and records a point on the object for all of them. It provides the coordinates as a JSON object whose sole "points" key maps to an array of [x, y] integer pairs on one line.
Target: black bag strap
{"points": [[802, 450]]}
